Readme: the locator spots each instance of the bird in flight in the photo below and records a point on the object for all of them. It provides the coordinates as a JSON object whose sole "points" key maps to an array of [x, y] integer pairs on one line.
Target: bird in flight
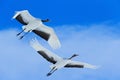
{"points": [[58, 62], [35, 25]]}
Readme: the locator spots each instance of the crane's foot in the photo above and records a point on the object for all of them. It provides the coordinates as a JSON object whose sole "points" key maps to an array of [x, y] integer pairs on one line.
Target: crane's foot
{"points": [[18, 34], [49, 74], [21, 37]]}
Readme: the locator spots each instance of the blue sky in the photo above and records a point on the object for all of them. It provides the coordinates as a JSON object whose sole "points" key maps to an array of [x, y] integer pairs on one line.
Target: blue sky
{"points": [[63, 12], [93, 29]]}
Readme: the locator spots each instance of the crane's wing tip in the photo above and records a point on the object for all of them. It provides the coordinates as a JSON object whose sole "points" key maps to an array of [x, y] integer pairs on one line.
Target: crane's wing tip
{"points": [[54, 45], [18, 12], [91, 66], [35, 44], [34, 41]]}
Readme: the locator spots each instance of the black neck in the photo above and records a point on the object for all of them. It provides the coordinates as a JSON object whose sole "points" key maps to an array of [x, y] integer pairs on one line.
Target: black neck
{"points": [[72, 56]]}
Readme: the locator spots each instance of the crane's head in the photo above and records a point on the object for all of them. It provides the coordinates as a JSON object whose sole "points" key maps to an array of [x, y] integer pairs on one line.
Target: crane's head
{"points": [[46, 20]]}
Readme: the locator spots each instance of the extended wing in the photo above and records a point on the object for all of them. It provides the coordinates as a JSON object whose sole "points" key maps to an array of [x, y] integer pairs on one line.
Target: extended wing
{"points": [[49, 35], [80, 65], [24, 17], [49, 56]]}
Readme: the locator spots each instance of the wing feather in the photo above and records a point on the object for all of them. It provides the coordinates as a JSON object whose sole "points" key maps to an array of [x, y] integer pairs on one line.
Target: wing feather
{"points": [[24, 17], [45, 53], [80, 65], [49, 35]]}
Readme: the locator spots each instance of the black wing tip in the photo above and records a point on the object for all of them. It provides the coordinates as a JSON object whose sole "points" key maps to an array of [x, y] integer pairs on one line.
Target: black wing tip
{"points": [[44, 55]]}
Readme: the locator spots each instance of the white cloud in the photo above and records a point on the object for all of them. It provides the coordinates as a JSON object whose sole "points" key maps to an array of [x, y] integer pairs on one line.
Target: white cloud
{"points": [[16, 57], [96, 44]]}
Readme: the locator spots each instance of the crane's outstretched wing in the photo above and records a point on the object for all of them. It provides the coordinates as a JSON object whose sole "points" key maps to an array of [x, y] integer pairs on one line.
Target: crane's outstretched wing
{"points": [[80, 65], [45, 53], [49, 35], [24, 17]]}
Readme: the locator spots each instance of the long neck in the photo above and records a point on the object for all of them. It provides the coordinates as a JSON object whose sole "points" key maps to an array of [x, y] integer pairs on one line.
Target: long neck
{"points": [[72, 57]]}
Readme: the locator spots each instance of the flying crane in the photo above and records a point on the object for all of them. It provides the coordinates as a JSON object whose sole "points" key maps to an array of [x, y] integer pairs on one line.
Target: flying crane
{"points": [[35, 25], [58, 62]]}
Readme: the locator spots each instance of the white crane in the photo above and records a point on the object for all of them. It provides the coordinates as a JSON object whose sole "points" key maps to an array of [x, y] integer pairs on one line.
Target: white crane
{"points": [[32, 24], [57, 61]]}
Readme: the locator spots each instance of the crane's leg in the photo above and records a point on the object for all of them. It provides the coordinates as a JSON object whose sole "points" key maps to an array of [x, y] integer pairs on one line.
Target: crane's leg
{"points": [[52, 71], [24, 34], [20, 32]]}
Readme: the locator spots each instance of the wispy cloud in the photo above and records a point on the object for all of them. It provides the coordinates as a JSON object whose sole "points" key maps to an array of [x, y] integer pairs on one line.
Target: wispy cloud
{"points": [[96, 44]]}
